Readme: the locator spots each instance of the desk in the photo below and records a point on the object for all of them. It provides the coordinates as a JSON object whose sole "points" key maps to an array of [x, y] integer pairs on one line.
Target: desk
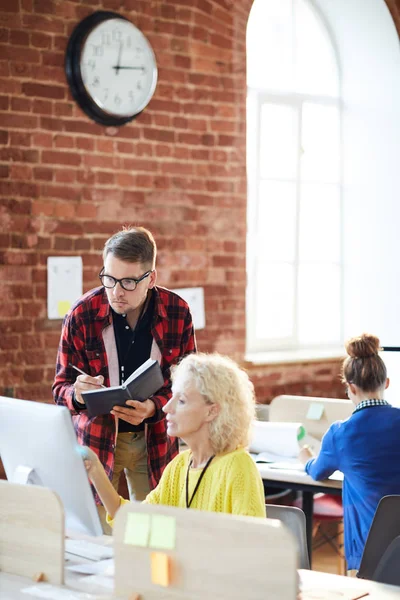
{"points": [[326, 583], [329, 585], [299, 480]]}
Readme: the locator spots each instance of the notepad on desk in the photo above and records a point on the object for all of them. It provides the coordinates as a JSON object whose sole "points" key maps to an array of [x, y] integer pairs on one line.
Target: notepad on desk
{"points": [[143, 383]]}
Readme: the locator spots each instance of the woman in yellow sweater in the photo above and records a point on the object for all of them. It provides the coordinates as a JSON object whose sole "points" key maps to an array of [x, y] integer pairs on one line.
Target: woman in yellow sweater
{"points": [[211, 409]]}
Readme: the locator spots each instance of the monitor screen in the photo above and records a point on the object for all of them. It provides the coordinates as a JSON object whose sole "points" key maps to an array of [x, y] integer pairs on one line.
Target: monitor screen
{"points": [[38, 445]]}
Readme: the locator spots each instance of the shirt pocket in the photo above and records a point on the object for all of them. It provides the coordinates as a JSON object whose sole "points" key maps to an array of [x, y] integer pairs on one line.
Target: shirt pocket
{"points": [[171, 355], [94, 357]]}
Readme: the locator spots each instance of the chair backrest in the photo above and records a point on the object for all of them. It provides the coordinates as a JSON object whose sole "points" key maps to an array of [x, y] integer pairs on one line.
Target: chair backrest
{"points": [[295, 520], [384, 528], [388, 570], [299, 409]]}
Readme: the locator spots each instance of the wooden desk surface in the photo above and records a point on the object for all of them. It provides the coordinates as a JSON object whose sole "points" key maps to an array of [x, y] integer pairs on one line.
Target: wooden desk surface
{"points": [[327, 587], [324, 585]]}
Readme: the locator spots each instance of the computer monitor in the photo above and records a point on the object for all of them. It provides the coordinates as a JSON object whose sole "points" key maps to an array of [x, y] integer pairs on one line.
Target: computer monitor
{"points": [[38, 446]]}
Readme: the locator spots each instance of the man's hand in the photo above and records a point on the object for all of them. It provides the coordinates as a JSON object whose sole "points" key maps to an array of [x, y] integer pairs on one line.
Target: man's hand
{"points": [[137, 414], [85, 383], [305, 454]]}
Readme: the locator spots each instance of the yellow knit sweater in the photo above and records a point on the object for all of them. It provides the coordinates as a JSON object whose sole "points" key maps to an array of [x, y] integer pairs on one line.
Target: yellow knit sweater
{"points": [[231, 485]]}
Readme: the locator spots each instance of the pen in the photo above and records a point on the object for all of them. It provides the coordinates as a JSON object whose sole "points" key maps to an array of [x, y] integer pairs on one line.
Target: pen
{"points": [[83, 373]]}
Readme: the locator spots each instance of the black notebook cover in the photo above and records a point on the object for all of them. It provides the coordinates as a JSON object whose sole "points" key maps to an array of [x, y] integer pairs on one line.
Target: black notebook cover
{"points": [[143, 383]]}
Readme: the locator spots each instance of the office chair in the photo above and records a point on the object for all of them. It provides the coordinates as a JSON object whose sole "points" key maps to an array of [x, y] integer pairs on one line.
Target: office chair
{"points": [[328, 509], [295, 521], [384, 529], [388, 570]]}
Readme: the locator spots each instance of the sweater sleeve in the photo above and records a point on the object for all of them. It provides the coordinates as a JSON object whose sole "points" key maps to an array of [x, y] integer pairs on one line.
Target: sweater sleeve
{"points": [[247, 490], [327, 460]]}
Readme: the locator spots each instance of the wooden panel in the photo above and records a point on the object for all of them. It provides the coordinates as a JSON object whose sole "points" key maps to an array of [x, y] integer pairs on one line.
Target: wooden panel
{"points": [[295, 409], [216, 556], [31, 532]]}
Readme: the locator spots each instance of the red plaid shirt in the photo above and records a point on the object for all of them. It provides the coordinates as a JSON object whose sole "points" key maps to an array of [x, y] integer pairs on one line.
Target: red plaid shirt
{"points": [[82, 344]]}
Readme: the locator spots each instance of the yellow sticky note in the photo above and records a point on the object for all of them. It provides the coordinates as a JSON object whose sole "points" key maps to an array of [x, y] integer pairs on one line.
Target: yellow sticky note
{"points": [[63, 307], [163, 532], [315, 411], [137, 529], [160, 568]]}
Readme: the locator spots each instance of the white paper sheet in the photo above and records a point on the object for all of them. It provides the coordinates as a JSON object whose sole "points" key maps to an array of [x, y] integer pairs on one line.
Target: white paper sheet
{"points": [[279, 439], [52, 592], [101, 567]]}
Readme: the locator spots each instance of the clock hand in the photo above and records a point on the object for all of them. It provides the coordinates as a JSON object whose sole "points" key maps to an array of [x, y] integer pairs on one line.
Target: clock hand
{"points": [[117, 68], [131, 68]]}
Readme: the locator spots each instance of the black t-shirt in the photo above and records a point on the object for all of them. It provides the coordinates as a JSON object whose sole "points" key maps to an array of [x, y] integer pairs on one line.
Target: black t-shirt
{"points": [[134, 347]]}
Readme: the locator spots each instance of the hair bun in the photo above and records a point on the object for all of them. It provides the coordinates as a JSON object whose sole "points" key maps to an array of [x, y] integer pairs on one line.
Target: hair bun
{"points": [[363, 346]]}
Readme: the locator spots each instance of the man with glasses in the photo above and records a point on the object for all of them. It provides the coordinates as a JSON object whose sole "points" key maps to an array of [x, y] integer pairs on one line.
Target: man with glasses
{"points": [[109, 333]]}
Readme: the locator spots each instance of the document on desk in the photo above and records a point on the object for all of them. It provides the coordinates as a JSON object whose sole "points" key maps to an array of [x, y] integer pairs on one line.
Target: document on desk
{"points": [[53, 592], [101, 567]]}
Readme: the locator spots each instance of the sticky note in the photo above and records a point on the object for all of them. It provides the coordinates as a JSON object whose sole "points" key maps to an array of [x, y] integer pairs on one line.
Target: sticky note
{"points": [[137, 529], [315, 411], [63, 307], [160, 568], [163, 532]]}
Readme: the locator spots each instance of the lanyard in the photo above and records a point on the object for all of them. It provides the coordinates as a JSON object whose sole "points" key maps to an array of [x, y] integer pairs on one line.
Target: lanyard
{"points": [[189, 502]]}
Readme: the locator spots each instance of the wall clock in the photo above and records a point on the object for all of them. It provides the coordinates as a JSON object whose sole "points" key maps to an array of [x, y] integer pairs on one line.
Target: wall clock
{"points": [[110, 68]]}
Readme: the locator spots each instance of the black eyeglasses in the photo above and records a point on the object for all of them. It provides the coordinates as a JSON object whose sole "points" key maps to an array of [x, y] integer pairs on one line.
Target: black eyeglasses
{"points": [[127, 283]]}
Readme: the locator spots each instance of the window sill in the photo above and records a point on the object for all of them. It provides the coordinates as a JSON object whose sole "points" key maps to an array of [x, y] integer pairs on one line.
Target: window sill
{"points": [[294, 356]]}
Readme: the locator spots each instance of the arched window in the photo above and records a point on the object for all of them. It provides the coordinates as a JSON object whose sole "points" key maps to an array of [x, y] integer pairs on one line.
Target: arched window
{"points": [[294, 262]]}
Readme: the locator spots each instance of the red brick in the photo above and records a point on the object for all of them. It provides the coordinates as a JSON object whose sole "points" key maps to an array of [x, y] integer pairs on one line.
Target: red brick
{"points": [[20, 138], [42, 140], [21, 172], [40, 40], [64, 141], [16, 53], [9, 6], [9, 342], [21, 104], [18, 121], [3, 137], [43, 174], [43, 91], [84, 143], [63, 109], [60, 158], [19, 38]]}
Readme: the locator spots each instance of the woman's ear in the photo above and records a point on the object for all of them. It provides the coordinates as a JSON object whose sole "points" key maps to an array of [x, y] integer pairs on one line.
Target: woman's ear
{"points": [[213, 411], [352, 388]]}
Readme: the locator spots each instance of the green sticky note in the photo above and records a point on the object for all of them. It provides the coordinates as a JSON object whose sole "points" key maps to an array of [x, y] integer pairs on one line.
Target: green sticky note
{"points": [[163, 532], [301, 433], [137, 529], [63, 307], [315, 411]]}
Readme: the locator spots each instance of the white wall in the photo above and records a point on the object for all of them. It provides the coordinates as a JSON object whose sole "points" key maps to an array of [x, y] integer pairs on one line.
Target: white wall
{"points": [[369, 55]]}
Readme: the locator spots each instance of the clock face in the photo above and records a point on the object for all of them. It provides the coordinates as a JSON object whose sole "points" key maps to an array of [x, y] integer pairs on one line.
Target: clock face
{"points": [[118, 68]]}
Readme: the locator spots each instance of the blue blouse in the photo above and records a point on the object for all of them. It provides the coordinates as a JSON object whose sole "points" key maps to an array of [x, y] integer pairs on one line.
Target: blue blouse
{"points": [[366, 448]]}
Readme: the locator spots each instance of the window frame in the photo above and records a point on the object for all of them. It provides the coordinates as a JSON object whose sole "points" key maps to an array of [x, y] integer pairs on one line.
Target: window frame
{"points": [[288, 346]]}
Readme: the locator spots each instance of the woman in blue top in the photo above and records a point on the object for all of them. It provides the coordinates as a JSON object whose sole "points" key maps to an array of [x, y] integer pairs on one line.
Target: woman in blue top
{"points": [[365, 447]]}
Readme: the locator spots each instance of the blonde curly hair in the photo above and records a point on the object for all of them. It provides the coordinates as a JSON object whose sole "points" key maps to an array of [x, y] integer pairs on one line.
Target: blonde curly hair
{"points": [[221, 381]]}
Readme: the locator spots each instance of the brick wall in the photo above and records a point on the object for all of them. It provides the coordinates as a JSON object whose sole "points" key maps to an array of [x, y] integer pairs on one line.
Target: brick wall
{"points": [[179, 169]]}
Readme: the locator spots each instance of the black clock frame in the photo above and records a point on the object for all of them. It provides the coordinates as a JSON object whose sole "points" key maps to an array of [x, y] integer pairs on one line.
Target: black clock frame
{"points": [[73, 70]]}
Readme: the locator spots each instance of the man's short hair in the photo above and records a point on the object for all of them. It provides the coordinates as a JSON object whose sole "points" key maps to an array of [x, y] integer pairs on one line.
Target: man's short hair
{"points": [[132, 244]]}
